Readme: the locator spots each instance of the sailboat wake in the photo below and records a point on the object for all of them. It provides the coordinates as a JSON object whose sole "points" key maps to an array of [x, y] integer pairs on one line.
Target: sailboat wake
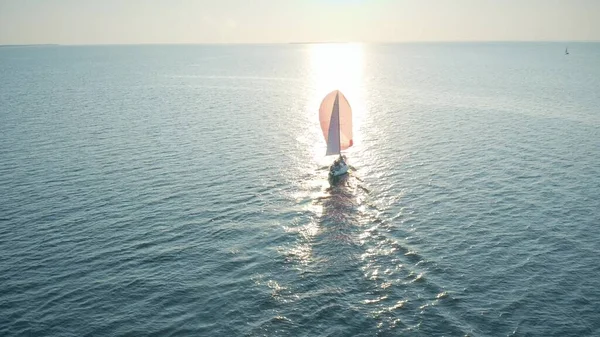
{"points": [[348, 257]]}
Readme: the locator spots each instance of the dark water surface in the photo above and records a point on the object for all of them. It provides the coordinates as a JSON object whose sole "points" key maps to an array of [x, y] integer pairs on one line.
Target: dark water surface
{"points": [[182, 191]]}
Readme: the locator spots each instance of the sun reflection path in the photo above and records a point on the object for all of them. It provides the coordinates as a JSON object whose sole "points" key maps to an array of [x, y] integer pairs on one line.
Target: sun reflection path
{"points": [[337, 66]]}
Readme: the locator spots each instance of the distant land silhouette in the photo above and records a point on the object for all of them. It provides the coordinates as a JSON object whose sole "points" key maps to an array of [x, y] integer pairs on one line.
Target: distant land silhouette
{"points": [[27, 45]]}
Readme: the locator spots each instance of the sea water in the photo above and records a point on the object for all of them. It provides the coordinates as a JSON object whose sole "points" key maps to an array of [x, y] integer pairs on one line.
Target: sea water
{"points": [[182, 191]]}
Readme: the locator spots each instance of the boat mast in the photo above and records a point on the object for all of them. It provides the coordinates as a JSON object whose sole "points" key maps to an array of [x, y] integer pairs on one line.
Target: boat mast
{"points": [[337, 100]]}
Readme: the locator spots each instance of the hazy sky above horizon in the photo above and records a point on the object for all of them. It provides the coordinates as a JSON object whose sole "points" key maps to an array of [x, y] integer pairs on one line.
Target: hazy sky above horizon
{"points": [[272, 21]]}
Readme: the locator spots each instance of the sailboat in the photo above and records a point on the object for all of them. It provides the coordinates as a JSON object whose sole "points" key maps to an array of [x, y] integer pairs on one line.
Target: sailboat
{"points": [[335, 116], [567, 51]]}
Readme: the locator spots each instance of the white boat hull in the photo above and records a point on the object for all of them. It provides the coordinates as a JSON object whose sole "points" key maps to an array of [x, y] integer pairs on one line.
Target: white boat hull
{"points": [[339, 170]]}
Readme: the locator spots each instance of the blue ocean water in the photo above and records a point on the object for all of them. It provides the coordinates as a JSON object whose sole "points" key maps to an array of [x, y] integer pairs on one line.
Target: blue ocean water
{"points": [[182, 191]]}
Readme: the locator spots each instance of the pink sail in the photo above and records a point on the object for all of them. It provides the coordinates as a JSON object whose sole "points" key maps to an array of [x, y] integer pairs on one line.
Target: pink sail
{"points": [[335, 116]]}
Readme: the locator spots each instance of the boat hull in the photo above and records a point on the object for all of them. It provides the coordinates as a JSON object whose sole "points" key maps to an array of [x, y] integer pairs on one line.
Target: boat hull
{"points": [[338, 171]]}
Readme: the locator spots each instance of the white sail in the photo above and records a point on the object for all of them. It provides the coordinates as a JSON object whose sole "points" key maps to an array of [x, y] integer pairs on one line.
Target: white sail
{"points": [[335, 116], [333, 139]]}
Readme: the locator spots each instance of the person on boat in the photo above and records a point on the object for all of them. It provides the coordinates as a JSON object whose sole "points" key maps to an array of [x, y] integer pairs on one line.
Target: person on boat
{"points": [[335, 166]]}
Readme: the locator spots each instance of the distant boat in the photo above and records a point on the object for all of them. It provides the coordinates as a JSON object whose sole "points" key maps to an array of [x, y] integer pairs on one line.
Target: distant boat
{"points": [[567, 51], [335, 116]]}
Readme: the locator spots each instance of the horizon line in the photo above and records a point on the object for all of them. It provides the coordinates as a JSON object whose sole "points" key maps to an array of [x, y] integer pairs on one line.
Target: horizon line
{"points": [[291, 42]]}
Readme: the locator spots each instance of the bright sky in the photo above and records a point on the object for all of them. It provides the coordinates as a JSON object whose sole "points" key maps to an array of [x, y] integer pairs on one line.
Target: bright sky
{"points": [[268, 21]]}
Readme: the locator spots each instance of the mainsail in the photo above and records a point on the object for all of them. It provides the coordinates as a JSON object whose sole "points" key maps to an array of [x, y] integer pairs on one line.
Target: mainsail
{"points": [[335, 116]]}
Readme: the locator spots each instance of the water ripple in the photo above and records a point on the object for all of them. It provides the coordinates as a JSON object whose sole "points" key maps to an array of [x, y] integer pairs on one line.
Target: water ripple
{"points": [[181, 190]]}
